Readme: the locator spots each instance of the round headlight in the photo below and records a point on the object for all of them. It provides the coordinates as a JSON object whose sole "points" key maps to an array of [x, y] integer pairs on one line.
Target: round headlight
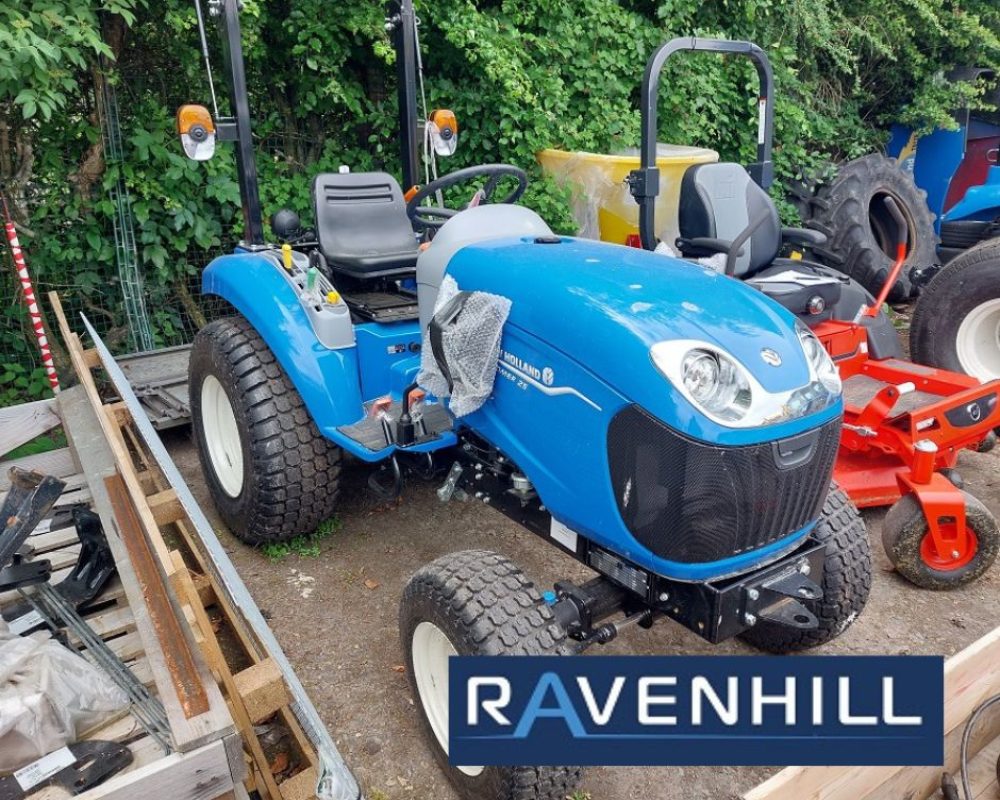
{"points": [[715, 383]]}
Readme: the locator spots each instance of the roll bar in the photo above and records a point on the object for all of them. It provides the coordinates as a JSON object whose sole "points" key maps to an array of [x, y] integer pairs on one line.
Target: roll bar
{"points": [[644, 183]]}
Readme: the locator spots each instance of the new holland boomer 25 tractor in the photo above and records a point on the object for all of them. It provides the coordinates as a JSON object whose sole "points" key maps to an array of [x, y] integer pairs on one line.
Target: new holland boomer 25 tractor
{"points": [[671, 428]]}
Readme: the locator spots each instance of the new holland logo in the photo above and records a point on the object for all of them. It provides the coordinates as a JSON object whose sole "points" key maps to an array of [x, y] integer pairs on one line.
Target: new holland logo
{"points": [[770, 357]]}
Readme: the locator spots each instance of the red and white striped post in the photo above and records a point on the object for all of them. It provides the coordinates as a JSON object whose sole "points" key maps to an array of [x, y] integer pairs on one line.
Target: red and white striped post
{"points": [[29, 299]]}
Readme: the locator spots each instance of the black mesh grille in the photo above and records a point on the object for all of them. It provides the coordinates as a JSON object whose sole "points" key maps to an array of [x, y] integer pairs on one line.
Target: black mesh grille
{"points": [[691, 502]]}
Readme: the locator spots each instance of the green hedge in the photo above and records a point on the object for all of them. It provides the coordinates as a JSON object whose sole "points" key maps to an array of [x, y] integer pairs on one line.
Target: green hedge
{"points": [[521, 75]]}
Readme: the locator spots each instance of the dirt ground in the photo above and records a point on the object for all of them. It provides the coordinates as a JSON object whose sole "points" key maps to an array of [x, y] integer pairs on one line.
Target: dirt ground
{"points": [[335, 615]]}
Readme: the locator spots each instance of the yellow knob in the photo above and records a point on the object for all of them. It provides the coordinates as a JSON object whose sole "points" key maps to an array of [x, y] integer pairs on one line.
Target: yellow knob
{"points": [[333, 298], [286, 256]]}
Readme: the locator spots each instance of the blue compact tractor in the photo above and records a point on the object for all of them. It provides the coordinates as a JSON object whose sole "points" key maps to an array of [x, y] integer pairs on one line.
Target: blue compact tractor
{"points": [[670, 428]]}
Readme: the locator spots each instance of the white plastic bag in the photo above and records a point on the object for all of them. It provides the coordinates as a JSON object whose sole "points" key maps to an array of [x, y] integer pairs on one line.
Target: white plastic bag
{"points": [[471, 347], [48, 696]]}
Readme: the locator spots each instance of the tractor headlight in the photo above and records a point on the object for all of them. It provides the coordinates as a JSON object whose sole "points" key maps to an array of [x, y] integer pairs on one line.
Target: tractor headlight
{"points": [[716, 383], [819, 360], [719, 386]]}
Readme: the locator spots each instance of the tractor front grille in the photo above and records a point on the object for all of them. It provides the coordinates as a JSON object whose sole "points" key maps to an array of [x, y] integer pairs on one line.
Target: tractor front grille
{"points": [[691, 502]]}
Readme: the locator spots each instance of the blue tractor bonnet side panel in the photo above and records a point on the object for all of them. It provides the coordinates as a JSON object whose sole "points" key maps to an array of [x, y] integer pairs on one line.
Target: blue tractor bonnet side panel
{"points": [[326, 379], [557, 434], [604, 306], [980, 202]]}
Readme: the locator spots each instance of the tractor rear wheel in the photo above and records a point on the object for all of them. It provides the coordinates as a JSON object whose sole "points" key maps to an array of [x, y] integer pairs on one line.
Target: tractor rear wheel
{"points": [[270, 471], [912, 551], [956, 322], [846, 581], [477, 603], [850, 210]]}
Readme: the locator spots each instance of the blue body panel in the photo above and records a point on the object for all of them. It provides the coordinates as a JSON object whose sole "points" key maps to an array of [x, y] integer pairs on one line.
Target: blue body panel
{"points": [[980, 202], [588, 312], [381, 351], [328, 380]]}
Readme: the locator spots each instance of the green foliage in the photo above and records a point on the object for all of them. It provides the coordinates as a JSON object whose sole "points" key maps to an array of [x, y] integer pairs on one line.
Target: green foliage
{"points": [[522, 75], [304, 546]]}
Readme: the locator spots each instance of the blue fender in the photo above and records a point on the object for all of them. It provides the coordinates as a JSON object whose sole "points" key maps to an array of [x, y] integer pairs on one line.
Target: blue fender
{"points": [[980, 202], [328, 380]]}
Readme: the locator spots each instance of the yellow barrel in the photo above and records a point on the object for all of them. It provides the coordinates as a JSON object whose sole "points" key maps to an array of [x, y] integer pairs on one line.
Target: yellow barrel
{"points": [[602, 205]]}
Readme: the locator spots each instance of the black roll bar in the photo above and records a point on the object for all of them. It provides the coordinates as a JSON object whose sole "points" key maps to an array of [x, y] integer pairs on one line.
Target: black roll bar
{"points": [[644, 183]]}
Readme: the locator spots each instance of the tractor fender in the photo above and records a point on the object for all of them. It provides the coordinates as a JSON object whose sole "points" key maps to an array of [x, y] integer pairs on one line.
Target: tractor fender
{"points": [[326, 378], [980, 202]]}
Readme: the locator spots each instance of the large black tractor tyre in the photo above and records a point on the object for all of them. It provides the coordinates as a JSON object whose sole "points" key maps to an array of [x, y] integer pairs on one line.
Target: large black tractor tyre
{"points": [[846, 581], [910, 547], [477, 603], [270, 471], [861, 235], [956, 322]]}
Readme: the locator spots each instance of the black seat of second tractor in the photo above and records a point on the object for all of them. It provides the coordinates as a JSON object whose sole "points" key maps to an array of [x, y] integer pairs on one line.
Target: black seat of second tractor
{"points": [[722, 210], [362, 225]]}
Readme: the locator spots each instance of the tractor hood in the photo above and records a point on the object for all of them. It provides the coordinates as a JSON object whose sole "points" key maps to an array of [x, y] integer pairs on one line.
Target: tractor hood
{"points": [[605, 306]]}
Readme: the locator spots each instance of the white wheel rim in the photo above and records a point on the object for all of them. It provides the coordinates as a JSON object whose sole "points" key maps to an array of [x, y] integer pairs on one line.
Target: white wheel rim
{"points": [[222, 436], [431, 649], [978, 341]]}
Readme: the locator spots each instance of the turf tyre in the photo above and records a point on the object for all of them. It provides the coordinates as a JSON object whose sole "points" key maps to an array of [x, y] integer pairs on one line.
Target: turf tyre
{"points": [[290, 471], [485, 605]]}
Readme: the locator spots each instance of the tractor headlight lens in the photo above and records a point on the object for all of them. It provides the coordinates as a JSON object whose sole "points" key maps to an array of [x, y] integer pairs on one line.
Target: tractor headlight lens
{"points": [[724, 390], [714, 382], [819, 360]]}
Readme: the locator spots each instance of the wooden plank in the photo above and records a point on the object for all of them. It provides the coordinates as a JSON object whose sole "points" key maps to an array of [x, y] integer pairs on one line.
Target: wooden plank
{"points": [[971, 676], [165, 506], [20, 424], [55, 462], [201, 774], [93, 453], [262, 689], [263, 779], [301, 786], [179, 659]]}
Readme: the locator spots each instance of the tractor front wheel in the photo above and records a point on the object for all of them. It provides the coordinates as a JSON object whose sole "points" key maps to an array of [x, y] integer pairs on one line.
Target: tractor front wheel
{"points": [[271, 473], [913, 552], [477, 603], [846, 581]]}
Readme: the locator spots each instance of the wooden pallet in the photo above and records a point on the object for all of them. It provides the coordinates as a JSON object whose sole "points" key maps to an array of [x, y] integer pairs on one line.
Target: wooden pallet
{"points": [[971, 677], [253, 687], [201, 767]]}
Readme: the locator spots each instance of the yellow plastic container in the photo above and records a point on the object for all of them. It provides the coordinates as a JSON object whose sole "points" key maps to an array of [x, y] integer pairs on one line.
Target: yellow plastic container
{"points": [[602, 204]]}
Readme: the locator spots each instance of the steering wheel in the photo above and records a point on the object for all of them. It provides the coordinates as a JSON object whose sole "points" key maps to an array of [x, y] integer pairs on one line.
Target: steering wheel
{"points": [[435, 217]]}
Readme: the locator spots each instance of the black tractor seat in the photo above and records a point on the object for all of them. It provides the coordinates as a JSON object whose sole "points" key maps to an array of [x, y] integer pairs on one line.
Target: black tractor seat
{"points": [[722, 210], [362, 226]]}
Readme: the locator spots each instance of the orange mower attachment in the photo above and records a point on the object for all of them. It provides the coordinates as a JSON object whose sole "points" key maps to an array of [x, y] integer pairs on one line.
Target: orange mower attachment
{"points": [[904, 426]]}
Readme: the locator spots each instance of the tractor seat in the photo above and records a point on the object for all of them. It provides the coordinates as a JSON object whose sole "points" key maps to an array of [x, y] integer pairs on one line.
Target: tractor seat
{"points": [[722, 210], [362, 225]]}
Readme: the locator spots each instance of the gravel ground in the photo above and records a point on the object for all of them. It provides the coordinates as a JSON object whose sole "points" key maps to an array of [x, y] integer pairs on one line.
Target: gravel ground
{"points": [[335, 615]]}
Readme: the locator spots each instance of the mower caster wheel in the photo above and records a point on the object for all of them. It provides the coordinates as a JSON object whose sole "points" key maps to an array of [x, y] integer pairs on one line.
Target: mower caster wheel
{"points": [[988, 443], [846, 581], [911, 549], [954, 477], [271, 473], [477, 602]]}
